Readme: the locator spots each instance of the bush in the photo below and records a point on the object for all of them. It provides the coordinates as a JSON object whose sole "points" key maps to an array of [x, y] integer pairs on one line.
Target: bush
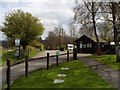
{"points": [[40, 46], [29, 49], [62, 47], [1, 48]]}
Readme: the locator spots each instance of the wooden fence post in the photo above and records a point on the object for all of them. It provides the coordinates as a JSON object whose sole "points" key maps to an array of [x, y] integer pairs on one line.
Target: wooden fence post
{"points": [[47, 61], [26, 65], [56, 60], [67, 56], [8, 74], [75, 53]]}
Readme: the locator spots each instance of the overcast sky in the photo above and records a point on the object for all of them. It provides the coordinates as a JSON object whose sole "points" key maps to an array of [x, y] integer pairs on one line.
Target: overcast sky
{"points": [[50, 12]]}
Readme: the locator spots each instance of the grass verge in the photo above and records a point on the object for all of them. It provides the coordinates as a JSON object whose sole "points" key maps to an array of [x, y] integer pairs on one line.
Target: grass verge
{"points": [[109, 60], [78, 76], [11, 55]]}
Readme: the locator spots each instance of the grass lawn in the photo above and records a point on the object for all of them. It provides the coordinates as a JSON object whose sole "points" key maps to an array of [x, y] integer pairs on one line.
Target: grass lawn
{"points": [[109, 60], [8, 54], [11, 55], [78, 76]]}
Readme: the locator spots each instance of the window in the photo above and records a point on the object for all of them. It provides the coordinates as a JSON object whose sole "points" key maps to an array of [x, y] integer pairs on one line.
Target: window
{"points": [[89, 45], [80, 44], [102, 45], [84, 45]]}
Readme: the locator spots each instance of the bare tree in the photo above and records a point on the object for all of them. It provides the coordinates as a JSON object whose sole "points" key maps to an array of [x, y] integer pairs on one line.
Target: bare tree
{"points": [[49, 41], [113, 14], [116, 18], [82, 19], [59, 31], [72, 29], [106, 31], [86, 15], [59, 37]]}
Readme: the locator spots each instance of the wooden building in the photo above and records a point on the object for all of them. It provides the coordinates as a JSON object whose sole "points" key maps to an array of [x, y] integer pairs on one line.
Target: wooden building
{"points": [[87, 44]]}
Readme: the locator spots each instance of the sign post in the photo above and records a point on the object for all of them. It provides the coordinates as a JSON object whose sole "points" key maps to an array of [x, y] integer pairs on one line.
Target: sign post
{"points": [[17, 44]]}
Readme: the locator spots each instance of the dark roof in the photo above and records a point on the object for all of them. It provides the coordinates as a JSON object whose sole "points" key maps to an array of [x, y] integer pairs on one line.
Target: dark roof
{"points": [[92, 38], [3, 43]]}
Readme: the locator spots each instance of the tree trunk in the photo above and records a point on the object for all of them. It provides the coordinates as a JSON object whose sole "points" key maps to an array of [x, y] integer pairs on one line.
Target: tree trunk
{"points": [[98, 51], [24, 50], [117, 53], [117, 47], [24, 47]]}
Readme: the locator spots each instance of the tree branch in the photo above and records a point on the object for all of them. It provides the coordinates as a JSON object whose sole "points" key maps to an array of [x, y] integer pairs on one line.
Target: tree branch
{"points": [[87, 7]]}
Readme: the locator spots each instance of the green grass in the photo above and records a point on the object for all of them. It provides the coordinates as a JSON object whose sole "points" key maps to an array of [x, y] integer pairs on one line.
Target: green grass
{"points": [[109, 60], [78, 76], [8, 54], [11, 55]]}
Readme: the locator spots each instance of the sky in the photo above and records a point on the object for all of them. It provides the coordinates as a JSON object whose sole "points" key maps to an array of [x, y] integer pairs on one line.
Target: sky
{"points": [[50, 12]]}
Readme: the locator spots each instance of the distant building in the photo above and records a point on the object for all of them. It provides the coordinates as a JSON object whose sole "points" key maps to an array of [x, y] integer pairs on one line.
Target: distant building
{"points": [[87, 44], [46, 44], [40, 40], [4, 44], [113, 43], [110, 48], [70, 46]]}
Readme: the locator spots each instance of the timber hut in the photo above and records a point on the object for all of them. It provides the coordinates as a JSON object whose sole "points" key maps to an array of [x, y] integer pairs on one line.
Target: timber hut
{"points": [[86, 44]]}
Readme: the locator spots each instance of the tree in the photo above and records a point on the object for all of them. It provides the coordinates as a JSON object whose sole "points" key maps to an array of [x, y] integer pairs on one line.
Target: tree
{"points": [[72, 30], [49, 44], [23, 25], [114, 10], [83, 19], [59, 31], [106, 31], [114, 15], [59, 37], [89, 11]]}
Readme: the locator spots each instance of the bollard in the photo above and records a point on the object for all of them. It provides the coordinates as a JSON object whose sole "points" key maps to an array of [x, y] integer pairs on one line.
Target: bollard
{"points": [[56, 60], [26, 65], [8, 74], [67, 56], [47, 61], [75, 54]]}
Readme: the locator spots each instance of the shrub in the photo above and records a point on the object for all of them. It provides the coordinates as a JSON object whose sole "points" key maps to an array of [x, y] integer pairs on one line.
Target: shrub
{"points": [[29, 49], [62, 47], [1, 48], [40, 46]]}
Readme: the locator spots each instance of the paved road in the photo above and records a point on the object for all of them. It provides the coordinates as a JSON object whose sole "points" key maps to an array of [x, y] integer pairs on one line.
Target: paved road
{"points": [[43, 54]]}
